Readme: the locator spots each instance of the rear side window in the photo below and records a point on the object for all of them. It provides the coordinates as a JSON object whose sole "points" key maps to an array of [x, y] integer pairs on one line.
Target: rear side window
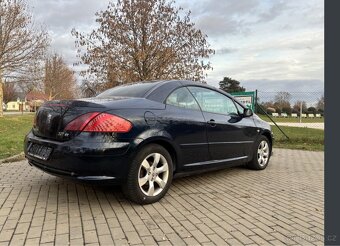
{"points": [[182, 98], [132, 90]]}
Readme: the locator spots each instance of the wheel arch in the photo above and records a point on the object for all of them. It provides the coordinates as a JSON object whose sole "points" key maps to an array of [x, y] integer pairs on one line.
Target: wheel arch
{"points": [[268, 135], [166, 144]]}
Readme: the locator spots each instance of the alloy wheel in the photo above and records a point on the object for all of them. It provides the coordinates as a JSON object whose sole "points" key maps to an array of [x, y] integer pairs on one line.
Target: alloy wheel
{"points": [[153, 174], [263, 153]]}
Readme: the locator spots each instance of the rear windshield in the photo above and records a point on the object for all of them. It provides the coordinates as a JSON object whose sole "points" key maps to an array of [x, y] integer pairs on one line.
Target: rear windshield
{"points": [[131, 90]]}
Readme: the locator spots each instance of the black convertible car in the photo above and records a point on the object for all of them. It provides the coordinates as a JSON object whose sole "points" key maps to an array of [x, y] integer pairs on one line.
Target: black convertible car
{"points": [[141, 135]]}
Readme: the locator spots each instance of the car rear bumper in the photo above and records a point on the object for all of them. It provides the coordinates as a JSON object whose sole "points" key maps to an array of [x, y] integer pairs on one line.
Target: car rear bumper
{"points": [[74, 175], [82, 160]]}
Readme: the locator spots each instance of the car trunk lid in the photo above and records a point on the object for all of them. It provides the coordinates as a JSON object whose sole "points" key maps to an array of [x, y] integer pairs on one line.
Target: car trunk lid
{"points": [[52, 118]]}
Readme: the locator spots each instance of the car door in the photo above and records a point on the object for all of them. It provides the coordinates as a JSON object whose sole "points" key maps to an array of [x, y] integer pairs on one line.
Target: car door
{"points": [[229, 134], [186, 124]]}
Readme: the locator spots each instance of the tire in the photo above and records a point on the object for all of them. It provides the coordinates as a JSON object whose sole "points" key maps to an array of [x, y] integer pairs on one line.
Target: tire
{"points": [[152, 167], [262, 153]]}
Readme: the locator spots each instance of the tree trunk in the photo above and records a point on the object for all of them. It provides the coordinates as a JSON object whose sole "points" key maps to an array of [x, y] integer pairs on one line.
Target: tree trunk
{"points": [[1, 97]]}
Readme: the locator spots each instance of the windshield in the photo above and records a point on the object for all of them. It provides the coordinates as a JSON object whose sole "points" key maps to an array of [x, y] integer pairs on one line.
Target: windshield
{"points": [[130, 90]]}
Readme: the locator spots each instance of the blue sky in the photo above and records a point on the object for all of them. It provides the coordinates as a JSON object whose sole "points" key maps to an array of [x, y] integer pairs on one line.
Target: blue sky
{"points": [[267, 45]]}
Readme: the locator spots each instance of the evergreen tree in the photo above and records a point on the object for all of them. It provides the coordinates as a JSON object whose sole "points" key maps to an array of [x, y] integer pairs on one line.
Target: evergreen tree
{"points": [[230, 85]]}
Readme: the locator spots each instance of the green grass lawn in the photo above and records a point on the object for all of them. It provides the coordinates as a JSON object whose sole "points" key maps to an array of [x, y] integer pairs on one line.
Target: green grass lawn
{"points": [[293, 120], [12, 132], [299, 138], [14, 128]]}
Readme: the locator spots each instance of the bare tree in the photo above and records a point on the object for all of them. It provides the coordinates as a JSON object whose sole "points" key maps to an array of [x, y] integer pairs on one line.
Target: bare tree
{"points": [[10, 93], [142, 40], [320, 105], [89, 89], [297, 107], [21, 42], [33, 79], [59, 80], [282, 100]]}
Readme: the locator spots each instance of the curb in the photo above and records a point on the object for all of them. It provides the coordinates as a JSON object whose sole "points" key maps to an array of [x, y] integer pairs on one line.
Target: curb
{"points": [[13, 158]]}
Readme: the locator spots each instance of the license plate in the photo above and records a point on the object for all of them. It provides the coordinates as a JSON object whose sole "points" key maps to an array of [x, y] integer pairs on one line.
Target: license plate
{"points": [[39, 151]]}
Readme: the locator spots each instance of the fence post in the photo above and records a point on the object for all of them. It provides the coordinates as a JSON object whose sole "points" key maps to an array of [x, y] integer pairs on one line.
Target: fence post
{"points": [[255, 105], [300, 111]]}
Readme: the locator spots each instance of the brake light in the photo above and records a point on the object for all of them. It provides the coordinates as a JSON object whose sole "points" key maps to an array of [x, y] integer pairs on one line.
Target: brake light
{"points": [[99, 122], [79, 123], [108, 123]]}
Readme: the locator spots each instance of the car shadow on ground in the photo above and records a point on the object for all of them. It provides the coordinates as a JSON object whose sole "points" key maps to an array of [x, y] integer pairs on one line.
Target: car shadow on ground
{"points": [[105, 192]]}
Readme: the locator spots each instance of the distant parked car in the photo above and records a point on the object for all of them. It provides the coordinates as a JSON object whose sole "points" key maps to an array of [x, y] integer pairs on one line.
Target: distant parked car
{"points": [[141, 135]]}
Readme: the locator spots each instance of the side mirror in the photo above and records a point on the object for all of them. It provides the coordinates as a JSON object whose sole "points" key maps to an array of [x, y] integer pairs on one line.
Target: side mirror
{"points": [[247, 112]]}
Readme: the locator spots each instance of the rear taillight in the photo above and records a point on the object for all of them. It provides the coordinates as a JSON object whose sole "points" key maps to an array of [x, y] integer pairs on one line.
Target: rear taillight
{"points": [[99, 122], [79, 123]]}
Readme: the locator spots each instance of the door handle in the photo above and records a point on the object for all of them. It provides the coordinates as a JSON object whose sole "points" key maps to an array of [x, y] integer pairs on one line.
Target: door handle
{"points": [[212, 122]]}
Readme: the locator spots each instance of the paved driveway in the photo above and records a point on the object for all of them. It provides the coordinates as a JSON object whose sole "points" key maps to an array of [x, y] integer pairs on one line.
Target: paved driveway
{"points": [[283, 204]]}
